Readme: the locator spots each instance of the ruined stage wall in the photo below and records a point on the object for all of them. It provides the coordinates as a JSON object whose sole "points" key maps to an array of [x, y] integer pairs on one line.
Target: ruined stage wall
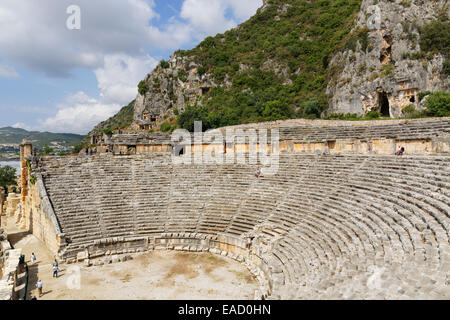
{"points": [[435, 146]]}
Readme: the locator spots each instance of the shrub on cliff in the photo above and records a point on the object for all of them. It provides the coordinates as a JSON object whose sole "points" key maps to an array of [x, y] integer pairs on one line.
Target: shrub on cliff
{"points": [[164, 64], [437, 104], [373, 115], [166, 127], [190, 115], [435, 36], [143, 87], [312, 109]]}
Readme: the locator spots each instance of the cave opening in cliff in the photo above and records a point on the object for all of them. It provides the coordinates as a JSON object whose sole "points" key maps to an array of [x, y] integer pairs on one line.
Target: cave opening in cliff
{"points": [[384, 104]]}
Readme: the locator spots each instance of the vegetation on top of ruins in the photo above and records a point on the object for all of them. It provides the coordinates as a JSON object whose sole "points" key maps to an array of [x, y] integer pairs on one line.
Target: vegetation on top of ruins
{"points": [[372, 115]]}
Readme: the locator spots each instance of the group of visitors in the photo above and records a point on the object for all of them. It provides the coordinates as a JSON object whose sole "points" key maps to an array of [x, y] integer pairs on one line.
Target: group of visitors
{"points": [[40, 284]]}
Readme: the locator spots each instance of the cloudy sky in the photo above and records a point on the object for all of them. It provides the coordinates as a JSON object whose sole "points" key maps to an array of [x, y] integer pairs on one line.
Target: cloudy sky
{"points": [[53, 78]]}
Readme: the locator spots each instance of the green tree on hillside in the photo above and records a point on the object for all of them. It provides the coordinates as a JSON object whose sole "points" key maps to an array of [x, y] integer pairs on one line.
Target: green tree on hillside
{"points": [[438, 104], [48, 150], [7, 176]]}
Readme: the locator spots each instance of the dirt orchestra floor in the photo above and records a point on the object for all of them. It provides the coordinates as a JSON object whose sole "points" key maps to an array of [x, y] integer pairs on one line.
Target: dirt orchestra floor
{"points": [[171, 275], [154, 275]]}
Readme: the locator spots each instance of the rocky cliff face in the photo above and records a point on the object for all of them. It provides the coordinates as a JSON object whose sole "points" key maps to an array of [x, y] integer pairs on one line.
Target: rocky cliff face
{"points": [[171, 86], [380, 73], [377, 66]]}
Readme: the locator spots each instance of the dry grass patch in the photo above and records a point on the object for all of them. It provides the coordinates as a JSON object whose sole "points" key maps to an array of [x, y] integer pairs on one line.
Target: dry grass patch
{"points": [[94, 281], [168, 283], [122, 275], [212, 291], [182, 269], [188, 264], [127, 277], [116, 274], [243, 276], [146, 260]]}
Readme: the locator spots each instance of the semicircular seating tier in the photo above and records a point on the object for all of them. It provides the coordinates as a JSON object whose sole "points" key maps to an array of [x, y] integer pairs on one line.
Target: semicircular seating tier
{"points": [[334, 226]]}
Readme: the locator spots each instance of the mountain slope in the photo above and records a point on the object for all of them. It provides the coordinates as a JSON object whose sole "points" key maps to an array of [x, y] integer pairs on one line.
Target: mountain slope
{"points": [[11, 135], [296, 58], [272, 66]]}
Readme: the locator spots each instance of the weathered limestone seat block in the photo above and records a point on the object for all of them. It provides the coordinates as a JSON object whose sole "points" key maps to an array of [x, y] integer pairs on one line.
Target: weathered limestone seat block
{"points": [[325, 226]]}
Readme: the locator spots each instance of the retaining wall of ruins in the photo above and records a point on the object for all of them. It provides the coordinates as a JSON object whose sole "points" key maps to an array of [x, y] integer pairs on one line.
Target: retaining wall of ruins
{"points": [[9, 269], [39, 217], [425, 137]]}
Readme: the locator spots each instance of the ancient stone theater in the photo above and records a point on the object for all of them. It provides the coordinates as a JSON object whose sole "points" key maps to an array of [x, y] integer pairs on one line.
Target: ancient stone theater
{"points": [[334, 214]]}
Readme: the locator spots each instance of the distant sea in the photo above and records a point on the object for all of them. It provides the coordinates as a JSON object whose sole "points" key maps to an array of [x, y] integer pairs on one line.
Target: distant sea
{"points": [[14, 164]]}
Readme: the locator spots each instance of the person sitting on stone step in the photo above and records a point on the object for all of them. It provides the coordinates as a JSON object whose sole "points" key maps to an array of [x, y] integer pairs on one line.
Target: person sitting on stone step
{"points": [[400, 151], [258, 172]]}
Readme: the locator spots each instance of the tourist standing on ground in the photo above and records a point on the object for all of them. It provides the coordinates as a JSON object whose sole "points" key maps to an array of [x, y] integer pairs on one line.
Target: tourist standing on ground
{"points": [[33, 258], [55, 271], [40, 285], [249, 243]]}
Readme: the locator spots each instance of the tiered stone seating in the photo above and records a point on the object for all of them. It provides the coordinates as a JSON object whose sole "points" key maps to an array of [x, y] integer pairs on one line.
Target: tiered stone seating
{"points": [[423, 129], [338, 226]]}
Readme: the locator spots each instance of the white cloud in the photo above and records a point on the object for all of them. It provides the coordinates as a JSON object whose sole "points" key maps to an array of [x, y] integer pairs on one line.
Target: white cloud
{"points": [[21, 125], [79, 114], [120, 75], [174, 35], [117, 81], [207, 16], [33, 34], [114, 38], [8, 72], [244, 9]]}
